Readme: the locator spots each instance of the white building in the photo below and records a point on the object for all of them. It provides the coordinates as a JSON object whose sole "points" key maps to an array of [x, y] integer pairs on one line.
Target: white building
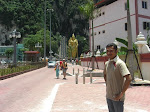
{"points": [[110, 21]]}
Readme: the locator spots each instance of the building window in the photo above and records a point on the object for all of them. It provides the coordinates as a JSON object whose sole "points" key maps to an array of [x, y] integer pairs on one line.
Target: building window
{"points": [[125, 6], [99, 32], [98, 47], [103, 31], [126, 27], [144, 4], [100, 14], [146, 25], [103, 13]]}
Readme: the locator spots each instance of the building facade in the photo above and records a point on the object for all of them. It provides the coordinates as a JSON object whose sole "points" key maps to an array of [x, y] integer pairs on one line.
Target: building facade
{"points": [[110, 21]]}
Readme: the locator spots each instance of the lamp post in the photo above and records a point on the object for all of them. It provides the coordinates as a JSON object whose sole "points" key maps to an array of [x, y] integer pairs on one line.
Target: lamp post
{"points": [[50, 51], [45, 31], [64, 47], [15, 35], [38, 45]]}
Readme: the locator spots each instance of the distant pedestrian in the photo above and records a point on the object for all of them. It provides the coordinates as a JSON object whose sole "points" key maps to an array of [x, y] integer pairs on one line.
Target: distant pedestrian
{"points": [[57, 69], [72, 62], [60, 64], [117, 78], [76, 61], [64, 68]]}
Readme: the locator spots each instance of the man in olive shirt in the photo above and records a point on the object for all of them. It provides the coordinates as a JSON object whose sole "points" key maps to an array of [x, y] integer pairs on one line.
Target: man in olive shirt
{"points": [[117, 78]]}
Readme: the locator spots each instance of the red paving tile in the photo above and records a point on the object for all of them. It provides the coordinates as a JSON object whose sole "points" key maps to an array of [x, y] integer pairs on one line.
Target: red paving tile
{"points": [[88, 97]]}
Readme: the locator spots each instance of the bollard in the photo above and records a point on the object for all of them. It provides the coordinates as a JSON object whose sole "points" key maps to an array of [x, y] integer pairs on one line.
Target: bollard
{"points": [[76, 78], [83, 78], [73, 71], [83, 70], [83, 75], [90, 77]]}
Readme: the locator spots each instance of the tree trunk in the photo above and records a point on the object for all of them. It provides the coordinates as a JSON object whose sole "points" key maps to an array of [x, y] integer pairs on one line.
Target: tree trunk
{"points": [[130, 45], [93, 59]]}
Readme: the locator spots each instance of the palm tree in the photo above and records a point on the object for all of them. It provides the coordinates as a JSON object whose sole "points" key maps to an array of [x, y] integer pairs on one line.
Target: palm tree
{"points": [[130, 45], [125, 42], [87, 10]]}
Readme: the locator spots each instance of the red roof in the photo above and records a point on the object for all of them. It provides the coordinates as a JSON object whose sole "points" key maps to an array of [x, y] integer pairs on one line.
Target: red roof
{"points": [[100, 2], [31, 52], [104, 2]]}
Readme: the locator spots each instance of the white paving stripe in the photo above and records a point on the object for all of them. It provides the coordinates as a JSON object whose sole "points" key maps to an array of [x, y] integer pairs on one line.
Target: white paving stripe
{"points": [[48, 102]]}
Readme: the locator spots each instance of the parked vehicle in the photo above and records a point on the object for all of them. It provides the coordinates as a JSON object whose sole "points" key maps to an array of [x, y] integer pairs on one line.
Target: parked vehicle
{"points": [[51, 64], [3, 62]]}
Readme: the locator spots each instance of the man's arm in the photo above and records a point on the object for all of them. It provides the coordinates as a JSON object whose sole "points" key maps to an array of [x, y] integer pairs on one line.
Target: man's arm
{"points": [[104, 72], [125, 87], [105, 77]]}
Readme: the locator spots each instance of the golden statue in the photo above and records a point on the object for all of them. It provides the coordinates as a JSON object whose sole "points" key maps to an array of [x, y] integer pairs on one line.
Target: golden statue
{"points": [[73, 46]]}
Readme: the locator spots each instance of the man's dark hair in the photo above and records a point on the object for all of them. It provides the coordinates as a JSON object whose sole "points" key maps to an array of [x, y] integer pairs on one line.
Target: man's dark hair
{"points": [[112, 44]]}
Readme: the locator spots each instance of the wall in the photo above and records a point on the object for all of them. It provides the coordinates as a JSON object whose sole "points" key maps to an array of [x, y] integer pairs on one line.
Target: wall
{"points": [[99, 60], [145, 65], [114, 19], [144, 16], [143, 60]]}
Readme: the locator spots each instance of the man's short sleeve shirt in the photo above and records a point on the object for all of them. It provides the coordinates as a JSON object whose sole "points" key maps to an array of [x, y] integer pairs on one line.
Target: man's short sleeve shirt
{"points": [[115, 71]]}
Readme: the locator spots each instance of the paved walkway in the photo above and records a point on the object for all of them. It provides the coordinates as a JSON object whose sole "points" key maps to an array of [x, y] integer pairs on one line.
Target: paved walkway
{"points": [[88, 97]]}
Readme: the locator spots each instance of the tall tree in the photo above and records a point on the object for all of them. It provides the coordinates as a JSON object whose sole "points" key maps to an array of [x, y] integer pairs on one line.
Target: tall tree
{"points": [[28, 17], [68, 19], [130, 45], [88, 10]]}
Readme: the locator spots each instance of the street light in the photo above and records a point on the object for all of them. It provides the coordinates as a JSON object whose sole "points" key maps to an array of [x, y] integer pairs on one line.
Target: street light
{"points": [[15, 35], [50, 51], [38, 45], [45, 31]]}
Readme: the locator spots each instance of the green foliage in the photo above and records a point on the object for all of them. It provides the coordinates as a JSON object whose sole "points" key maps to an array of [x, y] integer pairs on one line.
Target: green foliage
{"points": [[82, 44], [125, 49], [122, 41], [67, 19], [9, 52], [88, 8], [148, 37], [28, 17], [31, 40], [20, 69], [102, 53], [24, 49]]}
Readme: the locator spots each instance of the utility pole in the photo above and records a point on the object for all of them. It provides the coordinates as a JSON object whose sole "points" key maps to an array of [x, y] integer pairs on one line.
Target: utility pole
{"points": [[50, 51], [50, 36], [64, 47], [45, 31], [93, 57]]}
